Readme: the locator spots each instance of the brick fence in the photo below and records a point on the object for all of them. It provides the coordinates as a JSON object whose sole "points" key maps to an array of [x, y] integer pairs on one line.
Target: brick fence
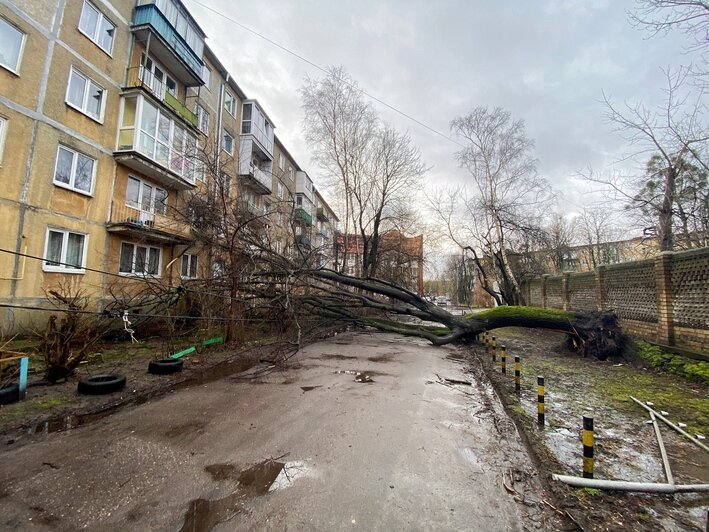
{"points": [[664, 300]]}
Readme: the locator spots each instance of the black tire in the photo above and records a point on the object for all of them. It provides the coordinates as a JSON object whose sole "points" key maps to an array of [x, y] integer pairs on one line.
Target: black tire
{"points": [[9, 394], [165, 366], [101, 384]]}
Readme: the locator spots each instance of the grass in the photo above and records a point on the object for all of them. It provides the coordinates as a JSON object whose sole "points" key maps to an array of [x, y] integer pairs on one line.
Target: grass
{"points": [[33, 408], [522, 313], [655, 357]]}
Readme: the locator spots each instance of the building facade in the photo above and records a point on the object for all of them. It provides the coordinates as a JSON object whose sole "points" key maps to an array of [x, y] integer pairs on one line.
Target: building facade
{"points": [[113, 115]]}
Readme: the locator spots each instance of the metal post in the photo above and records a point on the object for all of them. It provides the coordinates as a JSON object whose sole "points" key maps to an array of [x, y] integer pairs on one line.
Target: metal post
{"points": [[503, 356], [24, 366], [494, 349], [540, 400], [518, 373], [588, 444]]}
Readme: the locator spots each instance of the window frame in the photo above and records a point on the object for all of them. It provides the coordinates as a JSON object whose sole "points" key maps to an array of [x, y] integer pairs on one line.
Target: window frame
{"points": [[232, 108], [208, 78], [201, 113], [87, 94], [94, 38], [72, 179], [192, 263], [226, 133], [134, 273], [62, 267], [142, 184], [16, 69], [4, 126]]}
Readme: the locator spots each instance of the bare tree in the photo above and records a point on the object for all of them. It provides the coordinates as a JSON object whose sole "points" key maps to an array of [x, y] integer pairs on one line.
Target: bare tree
{"points": [[688, 16], [501, 208], [595, 229], [674, 135], [373, 169]]}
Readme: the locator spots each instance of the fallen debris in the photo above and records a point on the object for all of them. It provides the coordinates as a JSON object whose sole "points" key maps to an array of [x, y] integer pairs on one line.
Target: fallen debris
{"points": [[453, 381], [672, 425]]}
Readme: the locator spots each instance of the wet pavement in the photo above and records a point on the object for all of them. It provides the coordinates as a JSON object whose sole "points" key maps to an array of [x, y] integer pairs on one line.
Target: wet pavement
{"points": [[359, 433]]}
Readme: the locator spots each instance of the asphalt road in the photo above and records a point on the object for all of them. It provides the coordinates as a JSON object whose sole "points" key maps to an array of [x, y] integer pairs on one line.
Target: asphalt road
{"points": [[306, 448]]}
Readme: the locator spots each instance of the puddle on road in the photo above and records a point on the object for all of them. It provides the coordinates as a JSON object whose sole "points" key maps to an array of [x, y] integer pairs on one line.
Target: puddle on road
{"points": [[260, 479], [332, 356], [384, 357], [471, 459]]}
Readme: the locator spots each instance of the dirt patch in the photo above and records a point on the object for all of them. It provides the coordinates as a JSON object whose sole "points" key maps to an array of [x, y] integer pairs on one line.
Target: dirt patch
{"points": [[49, 408], [385, 357], [626, 448]]}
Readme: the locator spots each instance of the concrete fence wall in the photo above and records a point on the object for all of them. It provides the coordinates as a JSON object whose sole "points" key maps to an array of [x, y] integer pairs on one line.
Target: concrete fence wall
{"points": [[664, 300]]}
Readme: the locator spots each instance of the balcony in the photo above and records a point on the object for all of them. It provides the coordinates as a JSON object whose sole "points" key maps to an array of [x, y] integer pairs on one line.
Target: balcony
{"points": [[322, 215], [142, 78], [300, 215], [259, 180], [302, 241], [323, 231], [150, 226], [249, 207], [169, 47], [256, 129]]}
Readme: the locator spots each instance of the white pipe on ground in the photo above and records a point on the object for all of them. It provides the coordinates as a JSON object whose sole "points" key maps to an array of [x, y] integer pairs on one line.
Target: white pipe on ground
{"points": [[622, 485]]}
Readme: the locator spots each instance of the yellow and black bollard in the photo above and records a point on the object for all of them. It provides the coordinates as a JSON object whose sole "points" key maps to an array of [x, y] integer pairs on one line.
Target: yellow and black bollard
{"points": [[518, 374], [494, 349], [540, 400], [587, 438], [503, 357]]}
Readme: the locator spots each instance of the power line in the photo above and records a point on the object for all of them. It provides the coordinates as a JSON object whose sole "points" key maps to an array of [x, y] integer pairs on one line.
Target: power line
{"points": [[323, 69]]}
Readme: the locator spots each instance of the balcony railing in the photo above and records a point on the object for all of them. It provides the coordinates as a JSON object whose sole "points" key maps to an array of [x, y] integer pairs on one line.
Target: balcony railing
{"points": [[128, 219], [149, 14], [303, 240], [143, 78], [248, 206], [262, 180], [303, 216], [322, 215]]}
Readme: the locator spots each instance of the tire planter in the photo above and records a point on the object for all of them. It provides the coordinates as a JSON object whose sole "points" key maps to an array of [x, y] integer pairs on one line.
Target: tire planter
{"points": [[165, 366], [101, 384], [9, 394]]}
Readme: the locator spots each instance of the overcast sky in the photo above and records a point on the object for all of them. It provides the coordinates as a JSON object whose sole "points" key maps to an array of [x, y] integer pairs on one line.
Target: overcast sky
{"points": [[548, 62]]}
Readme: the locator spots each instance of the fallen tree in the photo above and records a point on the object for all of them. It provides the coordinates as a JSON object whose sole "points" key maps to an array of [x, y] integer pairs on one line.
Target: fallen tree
{"points": [[382, 305]]}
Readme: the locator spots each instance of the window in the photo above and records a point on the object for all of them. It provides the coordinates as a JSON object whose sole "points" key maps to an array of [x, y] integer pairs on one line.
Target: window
{"points": [[206, 76], [202, 119], [74, 170], [189, 266], [155, 77], [290, 173], [85, 95], [97, 27], [145, 196], [139, 260], [3, 134], [281, 162], [12, 41], [280, 190], [278, 247], [228, 143], [230, 103], [65, 251]]}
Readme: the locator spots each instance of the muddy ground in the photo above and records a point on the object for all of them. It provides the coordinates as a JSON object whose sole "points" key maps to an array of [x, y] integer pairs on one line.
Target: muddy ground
{"points": [[50, 408], [626, 446]]}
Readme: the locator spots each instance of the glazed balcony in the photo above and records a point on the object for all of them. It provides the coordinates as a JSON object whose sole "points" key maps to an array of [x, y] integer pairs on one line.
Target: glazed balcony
{"points": [[150, 226], [324, 232], [152, 27], [259, 181], [301, 215], [142, 78], [256, 130]]}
